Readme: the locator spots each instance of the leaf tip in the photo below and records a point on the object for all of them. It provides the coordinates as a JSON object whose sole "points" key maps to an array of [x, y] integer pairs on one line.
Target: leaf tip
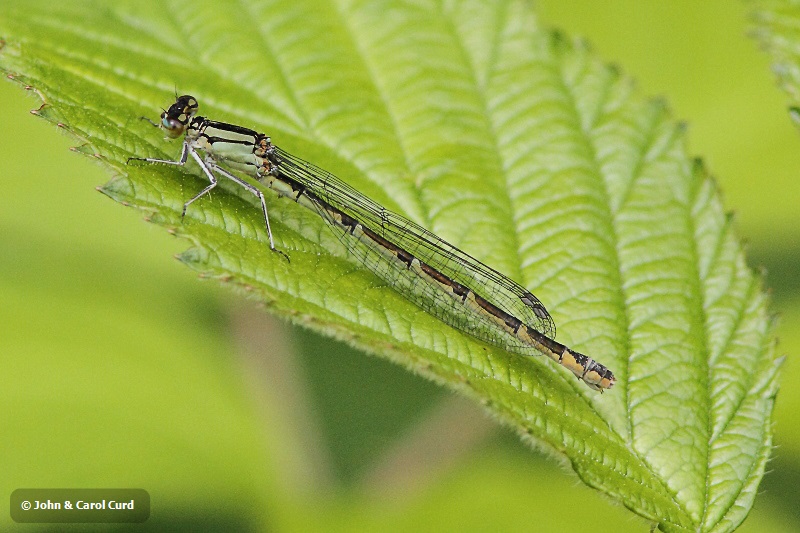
{"points": [[87, 150], [193, 257], [118, 189]]}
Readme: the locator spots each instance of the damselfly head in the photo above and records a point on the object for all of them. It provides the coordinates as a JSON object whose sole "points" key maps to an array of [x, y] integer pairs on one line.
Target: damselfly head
{"points": [[175, 119]]}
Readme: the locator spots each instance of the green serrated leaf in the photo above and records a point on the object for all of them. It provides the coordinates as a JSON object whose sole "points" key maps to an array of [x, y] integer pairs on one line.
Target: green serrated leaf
{"points": [[777, 27], [509, 141]]}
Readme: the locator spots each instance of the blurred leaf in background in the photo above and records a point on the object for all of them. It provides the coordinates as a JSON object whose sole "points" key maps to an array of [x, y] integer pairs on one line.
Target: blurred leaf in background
{"points": [[64, 311]]}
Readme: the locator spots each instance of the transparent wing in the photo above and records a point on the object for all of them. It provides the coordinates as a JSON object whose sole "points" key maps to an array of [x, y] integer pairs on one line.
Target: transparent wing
{"points": [[425, 246]]}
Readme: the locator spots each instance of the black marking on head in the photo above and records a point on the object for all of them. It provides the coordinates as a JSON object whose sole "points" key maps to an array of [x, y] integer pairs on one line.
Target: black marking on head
{"points": [[175, 119]]}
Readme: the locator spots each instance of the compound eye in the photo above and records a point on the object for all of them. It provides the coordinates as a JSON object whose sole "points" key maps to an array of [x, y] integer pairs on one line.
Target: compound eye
{"points": [[172, 126]]}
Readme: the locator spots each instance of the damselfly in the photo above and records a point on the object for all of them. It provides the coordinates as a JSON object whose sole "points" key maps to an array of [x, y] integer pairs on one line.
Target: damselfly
{"points": [[438, 277]]}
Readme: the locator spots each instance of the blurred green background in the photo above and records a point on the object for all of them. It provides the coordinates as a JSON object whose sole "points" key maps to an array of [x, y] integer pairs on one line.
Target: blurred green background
{"points": [[118, 368]]}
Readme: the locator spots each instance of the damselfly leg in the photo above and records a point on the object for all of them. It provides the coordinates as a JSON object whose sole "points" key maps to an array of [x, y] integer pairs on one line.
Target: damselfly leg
{"points": [[209, 167]]}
